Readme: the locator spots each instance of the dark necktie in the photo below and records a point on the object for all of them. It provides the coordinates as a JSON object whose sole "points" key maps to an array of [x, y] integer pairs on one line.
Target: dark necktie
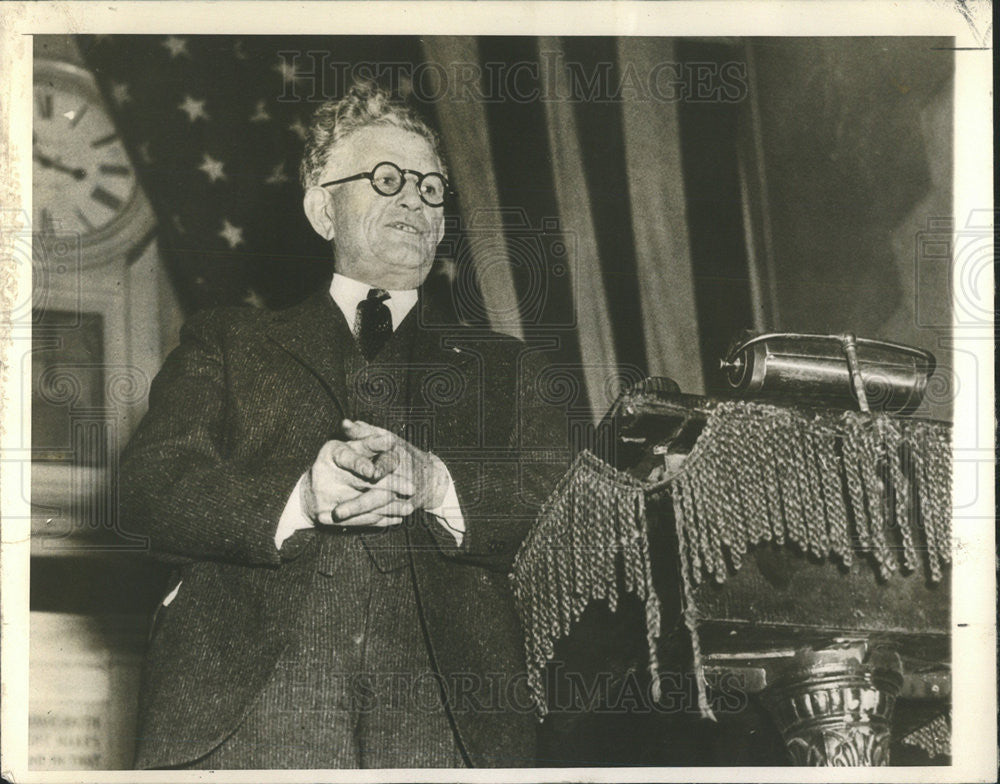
{"points": [[374, 322]]}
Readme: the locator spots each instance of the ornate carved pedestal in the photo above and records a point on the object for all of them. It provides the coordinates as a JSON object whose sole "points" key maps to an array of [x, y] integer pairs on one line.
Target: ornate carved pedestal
{"points": [[834, 706]]}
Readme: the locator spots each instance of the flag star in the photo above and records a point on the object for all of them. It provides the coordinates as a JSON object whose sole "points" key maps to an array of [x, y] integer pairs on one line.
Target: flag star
{"points": [[144, 153], [277, 175], [253, 299], [260, 113], [298, 129], [119, 93], [231, 234], [212, 168], [287, 71], [179, 226], [194, 109], [177, 46], [238, 51]]}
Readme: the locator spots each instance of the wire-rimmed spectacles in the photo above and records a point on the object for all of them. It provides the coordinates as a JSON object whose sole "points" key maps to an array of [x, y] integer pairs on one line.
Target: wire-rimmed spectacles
{"points": [[388, 179]]}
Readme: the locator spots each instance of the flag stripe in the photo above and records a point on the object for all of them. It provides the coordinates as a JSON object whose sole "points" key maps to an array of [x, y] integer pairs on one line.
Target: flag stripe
{"points": [[591, 305], [466, 136], [602, 152], [522, 163], [659, 221], [709, 152]]}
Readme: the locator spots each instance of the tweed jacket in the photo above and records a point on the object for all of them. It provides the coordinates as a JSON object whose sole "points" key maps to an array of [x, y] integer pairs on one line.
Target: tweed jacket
{"points": [[236, 415]]}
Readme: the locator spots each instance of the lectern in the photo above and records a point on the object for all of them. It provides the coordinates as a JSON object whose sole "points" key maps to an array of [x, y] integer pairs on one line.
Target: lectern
{"points": [[781, 542]]}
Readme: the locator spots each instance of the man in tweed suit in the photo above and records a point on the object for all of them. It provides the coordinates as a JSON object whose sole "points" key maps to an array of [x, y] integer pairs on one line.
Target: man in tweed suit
{"points": [[341, 596]]}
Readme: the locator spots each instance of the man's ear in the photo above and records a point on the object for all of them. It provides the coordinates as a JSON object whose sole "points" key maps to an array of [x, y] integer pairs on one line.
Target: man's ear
{"points": [[319, 210]]}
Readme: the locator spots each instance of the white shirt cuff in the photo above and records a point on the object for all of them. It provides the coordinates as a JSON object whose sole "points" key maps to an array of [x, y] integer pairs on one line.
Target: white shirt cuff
{"points": [[293, 518], [449, 513]]}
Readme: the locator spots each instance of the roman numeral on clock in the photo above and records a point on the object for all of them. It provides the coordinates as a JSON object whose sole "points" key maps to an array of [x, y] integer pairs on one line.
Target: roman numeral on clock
{"points": [[45, 106], [84, 219], [104, 140], [47, 226], [78, 115], [111, 168], [106, 198]]}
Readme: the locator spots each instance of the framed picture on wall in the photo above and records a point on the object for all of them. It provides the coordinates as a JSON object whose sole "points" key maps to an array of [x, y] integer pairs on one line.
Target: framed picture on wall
{"points": [[84, 396]]}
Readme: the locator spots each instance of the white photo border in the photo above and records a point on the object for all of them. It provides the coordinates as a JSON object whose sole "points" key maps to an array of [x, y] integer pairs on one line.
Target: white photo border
{"points": [[974, 609]]}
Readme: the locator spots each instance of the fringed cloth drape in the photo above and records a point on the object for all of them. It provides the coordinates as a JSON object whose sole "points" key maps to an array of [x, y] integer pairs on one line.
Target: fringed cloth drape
{"points": [[934, 738], [595, 516], [832, 483]]}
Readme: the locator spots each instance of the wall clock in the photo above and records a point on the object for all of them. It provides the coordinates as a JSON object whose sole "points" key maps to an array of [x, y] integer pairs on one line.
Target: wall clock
{"points": [[84, 183]]}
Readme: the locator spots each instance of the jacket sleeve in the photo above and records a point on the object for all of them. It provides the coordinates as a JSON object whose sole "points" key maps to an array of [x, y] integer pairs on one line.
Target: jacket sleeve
{"points": [[501, 498], [179, 484]]}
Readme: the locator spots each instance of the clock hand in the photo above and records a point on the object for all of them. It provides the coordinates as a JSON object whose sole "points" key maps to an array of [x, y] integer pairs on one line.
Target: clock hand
{"points": [[77, 173], [53, 163]]}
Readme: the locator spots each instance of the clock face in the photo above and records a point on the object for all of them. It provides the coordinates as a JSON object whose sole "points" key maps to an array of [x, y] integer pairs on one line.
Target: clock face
{"points": [[83, 180]]}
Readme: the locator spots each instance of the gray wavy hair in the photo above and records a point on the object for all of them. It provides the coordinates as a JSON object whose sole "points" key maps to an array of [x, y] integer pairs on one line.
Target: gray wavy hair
{"points": [[364, 105]]}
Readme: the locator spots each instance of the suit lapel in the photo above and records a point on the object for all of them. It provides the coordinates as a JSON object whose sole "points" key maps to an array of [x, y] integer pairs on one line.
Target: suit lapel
{"points": [[316, 335], [442, 382], [436, 341]]}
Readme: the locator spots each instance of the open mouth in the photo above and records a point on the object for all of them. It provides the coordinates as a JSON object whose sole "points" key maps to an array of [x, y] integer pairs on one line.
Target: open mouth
{"points": [[406, 228]]}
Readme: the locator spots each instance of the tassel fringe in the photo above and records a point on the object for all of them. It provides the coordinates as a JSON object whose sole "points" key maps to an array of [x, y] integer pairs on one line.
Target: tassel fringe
{"points": [[832, 484], [593, 523], [829, 484]]}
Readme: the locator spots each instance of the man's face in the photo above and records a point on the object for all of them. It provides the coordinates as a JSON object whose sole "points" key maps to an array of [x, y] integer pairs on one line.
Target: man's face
{"points": [[384, 241]]}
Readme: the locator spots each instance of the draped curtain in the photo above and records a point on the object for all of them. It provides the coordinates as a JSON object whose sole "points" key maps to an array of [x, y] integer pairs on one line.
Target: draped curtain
{"points": [[595, 180]]}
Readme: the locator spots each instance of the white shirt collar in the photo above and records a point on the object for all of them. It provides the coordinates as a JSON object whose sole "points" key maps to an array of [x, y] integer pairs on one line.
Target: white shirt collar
{"points": [[348, 292]]}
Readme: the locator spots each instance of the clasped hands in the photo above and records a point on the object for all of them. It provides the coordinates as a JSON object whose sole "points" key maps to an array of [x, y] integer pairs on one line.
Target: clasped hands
{"points": [[372, 478]]}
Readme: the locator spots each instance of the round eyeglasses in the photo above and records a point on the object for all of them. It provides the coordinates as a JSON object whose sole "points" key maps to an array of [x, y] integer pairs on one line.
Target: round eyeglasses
{"points": [[388, 179]]}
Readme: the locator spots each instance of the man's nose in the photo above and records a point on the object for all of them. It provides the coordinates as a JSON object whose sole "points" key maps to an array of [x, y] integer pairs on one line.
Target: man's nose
{"points": [[409, 196]]}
